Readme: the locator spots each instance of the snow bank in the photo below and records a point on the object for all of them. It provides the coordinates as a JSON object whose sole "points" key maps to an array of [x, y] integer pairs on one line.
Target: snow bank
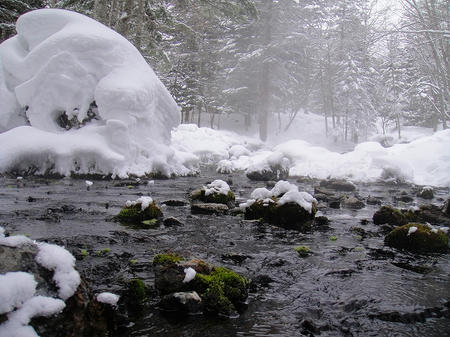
{"points": [[52, 72], [17, 290], [143, 201], [424, 161]]}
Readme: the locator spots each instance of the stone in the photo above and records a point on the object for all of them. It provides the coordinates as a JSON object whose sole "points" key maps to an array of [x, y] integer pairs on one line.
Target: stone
{"points": [[338, 185], [275, 172], [426, 193], [184, 302], [208, 208], [171, 221], [389, 215], [134, 215], [174, 203], [373, 201], [353, 203], [421, 240]]}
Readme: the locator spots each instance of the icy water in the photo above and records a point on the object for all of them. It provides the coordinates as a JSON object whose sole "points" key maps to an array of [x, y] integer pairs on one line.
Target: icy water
{"points": [[351, 286]]}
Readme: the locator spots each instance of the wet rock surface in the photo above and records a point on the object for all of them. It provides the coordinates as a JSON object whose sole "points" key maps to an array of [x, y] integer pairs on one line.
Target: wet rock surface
{"points": [[352, 285]]}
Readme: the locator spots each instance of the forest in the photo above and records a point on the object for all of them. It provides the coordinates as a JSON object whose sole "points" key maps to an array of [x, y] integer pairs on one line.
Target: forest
{"points": [[354, 62]]}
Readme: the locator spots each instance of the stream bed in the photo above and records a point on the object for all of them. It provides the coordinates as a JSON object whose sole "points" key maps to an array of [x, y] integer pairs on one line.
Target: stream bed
{"points": [[351, 284]]}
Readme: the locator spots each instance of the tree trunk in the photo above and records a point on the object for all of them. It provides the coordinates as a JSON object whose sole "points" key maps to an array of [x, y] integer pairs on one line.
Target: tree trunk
{"points": [[265, 74], [139, 25]]}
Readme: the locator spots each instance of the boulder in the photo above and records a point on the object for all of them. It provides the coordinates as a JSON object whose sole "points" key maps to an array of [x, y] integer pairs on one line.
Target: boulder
{"points": [[82, 315], [418, 238], [426, 193], [139, 213], [353, 203], [389, 215], [338, 185], [275, 172], [208, 208], [221, 290]]}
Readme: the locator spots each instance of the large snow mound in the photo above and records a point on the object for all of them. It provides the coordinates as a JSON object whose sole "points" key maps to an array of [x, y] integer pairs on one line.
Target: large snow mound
{"points": [[63, 66]]}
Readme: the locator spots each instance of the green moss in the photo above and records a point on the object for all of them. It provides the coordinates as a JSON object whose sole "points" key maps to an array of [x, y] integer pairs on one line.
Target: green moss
{"points": [[167, 259], [389, 215], [135, 215], [217, 198], [423, 240], [333, 238], [137, 290], [133, 262], [84, 253], [302, 251], [221, 290], [103, 252]]}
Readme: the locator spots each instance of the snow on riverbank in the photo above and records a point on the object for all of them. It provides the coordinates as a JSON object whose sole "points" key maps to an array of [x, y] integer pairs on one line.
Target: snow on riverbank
{"points": [[63, 69], [424, 161]]}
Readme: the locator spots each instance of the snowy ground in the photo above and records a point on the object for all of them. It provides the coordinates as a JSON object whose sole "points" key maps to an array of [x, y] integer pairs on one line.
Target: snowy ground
{"points": [[53, 73]]}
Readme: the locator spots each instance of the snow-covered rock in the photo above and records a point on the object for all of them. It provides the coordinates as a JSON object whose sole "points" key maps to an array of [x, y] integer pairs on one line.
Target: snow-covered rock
{"points": [[62, 69]]}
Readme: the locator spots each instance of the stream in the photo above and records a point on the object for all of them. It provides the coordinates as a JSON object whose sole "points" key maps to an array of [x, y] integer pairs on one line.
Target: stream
{"points": [[351, 286]]}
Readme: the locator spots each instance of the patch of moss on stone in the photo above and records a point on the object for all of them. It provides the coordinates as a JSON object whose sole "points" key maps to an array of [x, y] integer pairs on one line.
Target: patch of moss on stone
{"points": [[221, 290], [423, 240], [137, 290], [216, 198], [389, 215], [134, 215], [302, 251], [167, 259]]}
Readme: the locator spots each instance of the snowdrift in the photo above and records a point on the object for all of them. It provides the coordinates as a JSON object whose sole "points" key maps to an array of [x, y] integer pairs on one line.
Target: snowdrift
{"points": [[78, 97]]}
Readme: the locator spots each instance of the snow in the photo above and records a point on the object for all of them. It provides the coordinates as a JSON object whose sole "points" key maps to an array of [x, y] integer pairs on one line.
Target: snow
{"points": [[17, 287], [61, 61], [289, 194], [108, 298], [59, 260], [143, 201], [89, 183], [217, 186], [411, 230], [17, 291], [189, 275], [303, 199]]}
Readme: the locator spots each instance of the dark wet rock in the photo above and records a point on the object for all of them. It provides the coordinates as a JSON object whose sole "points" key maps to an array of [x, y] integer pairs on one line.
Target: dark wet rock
{"points": [[429, 213], [260, 281], [174, 203], [234, 257], [414, 315], [353, 203], [289, 215], [422, 240], [184, 302], [334, 202], [134, 215], [275, 172], [31, 199], [404, 197], [171, 221], [373, 201], [446, 208], [321, 221], [338, 185], [420, 269], [426, 193], [208, 208], [389, 215]]}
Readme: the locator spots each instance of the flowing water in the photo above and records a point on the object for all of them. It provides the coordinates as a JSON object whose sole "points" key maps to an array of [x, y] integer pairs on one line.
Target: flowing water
{"points": [[351, 286]]}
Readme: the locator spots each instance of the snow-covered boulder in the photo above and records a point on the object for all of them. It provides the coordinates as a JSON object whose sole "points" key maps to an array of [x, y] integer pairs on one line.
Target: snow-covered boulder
{"points": [[66, 71], [39, 280], [283, 205]]}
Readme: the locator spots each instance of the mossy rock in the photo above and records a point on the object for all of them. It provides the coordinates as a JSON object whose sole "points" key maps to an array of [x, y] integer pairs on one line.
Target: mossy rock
{"points": [[134, 215], [216, 198], [302, 251], [137, 291], [389, 215], [222, 290], [167, 259], [423, 240], [289, 215]]}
